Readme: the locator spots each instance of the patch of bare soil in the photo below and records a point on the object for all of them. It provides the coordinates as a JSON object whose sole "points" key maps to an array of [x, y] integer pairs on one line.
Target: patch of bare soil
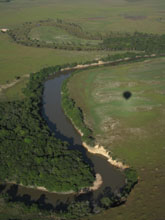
{"points": [[95, 18], [152, 82], [160, 92], [144, 108], [135, 18], [112, 130], [8, 85], [105, 98], [132, 1], [139, 132], [96, 184], [110, 124], [98, 149]]}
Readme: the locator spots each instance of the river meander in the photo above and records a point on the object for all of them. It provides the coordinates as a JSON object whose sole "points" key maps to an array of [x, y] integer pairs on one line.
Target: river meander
{"points": [[63, 129]]}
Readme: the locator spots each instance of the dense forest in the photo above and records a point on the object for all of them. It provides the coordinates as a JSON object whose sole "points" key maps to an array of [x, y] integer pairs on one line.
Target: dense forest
{"points": [[137, 41], [5, 1], [29, 152]]}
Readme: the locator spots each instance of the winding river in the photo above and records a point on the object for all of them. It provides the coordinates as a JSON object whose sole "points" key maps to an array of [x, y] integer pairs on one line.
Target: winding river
{"points": [[63, 129]]}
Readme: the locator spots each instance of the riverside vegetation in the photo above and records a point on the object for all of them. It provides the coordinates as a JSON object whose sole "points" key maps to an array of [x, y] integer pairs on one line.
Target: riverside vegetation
{"points": [[44, 165]]}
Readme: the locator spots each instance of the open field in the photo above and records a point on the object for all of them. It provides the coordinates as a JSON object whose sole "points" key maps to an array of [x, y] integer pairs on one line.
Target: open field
{"points": [[95, 15], [56, 35], [132, 129], [17, 60], [14, 92]]}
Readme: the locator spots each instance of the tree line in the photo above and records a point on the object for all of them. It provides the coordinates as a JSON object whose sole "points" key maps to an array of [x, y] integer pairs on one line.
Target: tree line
{"points": [[20, 34], [150, 43], [113, 41], [82, 206]]}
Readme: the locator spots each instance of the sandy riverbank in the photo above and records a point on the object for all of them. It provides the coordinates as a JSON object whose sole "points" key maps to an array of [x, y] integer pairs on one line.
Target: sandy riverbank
{"points": [[79, 66], [101, 150], [97, 149], [96, 184]]}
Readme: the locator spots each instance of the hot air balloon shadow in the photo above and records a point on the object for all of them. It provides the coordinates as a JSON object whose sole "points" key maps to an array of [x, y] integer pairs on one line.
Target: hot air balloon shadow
{"points": [[127, 95]]}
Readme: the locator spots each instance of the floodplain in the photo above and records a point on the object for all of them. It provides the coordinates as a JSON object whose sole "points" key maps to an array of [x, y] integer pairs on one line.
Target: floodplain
{"points": [[132, 129]]}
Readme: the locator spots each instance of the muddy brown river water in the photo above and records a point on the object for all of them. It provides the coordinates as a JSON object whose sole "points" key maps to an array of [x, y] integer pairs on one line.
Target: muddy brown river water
{"points": [[63, 129]]}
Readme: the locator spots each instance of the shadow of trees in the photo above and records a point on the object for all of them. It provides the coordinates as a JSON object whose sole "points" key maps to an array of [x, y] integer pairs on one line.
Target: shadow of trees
{"points": [[41, 204], [12, 195]]}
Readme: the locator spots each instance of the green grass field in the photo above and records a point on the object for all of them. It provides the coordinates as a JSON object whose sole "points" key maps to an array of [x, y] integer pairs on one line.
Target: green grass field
{"points": [[17, 60], [14, 92], [132, 129], [56, 35], [95, 15]]}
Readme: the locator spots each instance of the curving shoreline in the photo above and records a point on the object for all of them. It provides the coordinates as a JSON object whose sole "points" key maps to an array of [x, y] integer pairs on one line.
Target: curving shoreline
{"points": [[97, 149], [96, 185], [100, 62], [101, 150], [79, 66]]}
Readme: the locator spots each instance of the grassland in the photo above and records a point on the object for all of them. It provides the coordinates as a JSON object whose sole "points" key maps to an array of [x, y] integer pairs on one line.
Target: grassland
{"points": [[56, 35], [18, 60], [95, 15], [14, 92], [132, 129]]}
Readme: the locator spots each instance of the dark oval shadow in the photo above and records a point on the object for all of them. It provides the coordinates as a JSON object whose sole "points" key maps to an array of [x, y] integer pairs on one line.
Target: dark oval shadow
{"points": [[127, 95]]}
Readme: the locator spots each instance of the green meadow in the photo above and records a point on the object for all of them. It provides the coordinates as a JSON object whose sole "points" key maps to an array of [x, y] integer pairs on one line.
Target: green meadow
{"points": [[132, 129], [56, 35], [18, 60], [94, 15]]}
